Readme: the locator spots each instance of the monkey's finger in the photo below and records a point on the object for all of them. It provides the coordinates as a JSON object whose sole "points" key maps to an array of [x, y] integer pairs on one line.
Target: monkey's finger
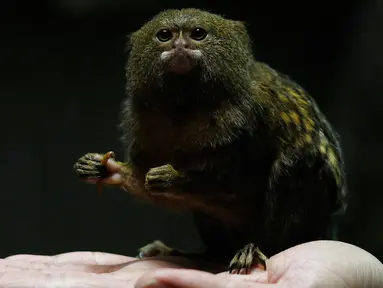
{"points": [[88, 162], [88, 174], [159, 170], [86, 167], [261, 256], [97, 157], [249, 262], [89, 170], [233, 263], [241, 264]]}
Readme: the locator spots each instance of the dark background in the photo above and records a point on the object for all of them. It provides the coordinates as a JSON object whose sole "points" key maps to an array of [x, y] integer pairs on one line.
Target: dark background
{"points": [[62, 82]]}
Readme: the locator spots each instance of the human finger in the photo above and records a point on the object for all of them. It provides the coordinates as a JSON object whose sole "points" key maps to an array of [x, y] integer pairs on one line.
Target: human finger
{"points": [[84, 258], [19, 266], [99, 258], [40, 274], [85, 262], [91, 262], [60, 279], [37, 274], [185, 278], [113, 166]]}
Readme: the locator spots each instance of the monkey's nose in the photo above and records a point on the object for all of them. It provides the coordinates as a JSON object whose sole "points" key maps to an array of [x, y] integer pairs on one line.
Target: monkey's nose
{"points": [[180, 43]]}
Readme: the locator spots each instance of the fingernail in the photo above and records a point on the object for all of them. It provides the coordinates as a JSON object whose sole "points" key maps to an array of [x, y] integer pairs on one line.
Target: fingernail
{"points": [[152, 283]]}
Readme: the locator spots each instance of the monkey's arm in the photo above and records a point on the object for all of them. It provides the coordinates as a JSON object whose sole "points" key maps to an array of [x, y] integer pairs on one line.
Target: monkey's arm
{"points": [[163, 185]]}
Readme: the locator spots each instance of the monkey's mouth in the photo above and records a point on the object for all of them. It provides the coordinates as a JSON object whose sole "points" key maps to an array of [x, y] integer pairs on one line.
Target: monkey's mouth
{"points": [[180, 61]]}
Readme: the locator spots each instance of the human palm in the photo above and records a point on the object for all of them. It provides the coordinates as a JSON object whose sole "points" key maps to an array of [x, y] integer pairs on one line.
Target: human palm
{"points": [[314, 264]]}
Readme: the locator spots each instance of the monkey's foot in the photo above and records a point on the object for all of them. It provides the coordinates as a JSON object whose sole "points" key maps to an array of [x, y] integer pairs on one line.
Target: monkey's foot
{"points": [[156, 248], [161, 177], [245, 258]]}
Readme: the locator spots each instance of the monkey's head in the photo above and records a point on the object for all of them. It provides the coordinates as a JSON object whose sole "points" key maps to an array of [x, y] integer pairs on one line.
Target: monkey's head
{"points": [[176, 44]]}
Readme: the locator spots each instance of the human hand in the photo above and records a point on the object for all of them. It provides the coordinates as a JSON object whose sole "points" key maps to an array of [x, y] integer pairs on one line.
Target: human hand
{"points": [[313, 264], [80, 269]]}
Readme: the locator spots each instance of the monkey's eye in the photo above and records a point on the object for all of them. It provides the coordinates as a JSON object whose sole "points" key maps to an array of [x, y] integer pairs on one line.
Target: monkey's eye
{"points": [[198, 34], [164, 35]]}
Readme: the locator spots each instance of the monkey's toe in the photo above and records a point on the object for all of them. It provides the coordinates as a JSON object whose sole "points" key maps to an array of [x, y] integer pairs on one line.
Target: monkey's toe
{"points": [[245, 258], [156, 248]]}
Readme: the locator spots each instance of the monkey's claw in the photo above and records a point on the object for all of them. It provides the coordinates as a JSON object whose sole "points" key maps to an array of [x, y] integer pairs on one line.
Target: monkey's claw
{"points": [[245, 258], [156, 248], [161, 177]]}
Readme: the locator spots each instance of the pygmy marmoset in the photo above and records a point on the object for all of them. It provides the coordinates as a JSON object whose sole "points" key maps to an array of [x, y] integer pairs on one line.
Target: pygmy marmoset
{"points": [[211, 130]]}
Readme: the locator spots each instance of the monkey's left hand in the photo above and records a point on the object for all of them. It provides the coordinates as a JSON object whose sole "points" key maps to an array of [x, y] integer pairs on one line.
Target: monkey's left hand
{"points": [[162, 177]]}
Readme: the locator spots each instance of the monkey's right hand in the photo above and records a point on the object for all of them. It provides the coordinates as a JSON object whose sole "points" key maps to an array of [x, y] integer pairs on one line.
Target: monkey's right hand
{"points": [[98, 168]]}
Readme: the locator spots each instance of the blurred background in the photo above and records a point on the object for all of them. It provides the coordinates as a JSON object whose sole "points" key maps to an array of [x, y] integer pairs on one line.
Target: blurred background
{"points": [[61, 87]]}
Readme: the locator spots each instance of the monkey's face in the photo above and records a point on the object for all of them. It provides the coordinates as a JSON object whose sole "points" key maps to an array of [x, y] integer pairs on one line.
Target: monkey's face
{"points": [[179, 51], [181, 42]]}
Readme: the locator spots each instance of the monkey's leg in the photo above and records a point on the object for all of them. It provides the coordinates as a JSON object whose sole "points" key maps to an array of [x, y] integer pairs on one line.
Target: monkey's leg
{"points": [[245, 258]]}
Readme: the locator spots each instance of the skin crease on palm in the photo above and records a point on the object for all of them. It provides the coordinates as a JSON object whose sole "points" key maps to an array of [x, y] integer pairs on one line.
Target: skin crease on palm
{"points": [[314, 264]]}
